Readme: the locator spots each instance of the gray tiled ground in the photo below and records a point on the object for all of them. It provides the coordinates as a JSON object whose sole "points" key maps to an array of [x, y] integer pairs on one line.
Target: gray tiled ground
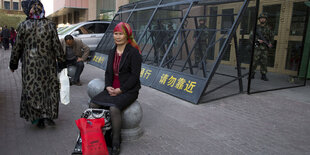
{"points": [[266, 123]]}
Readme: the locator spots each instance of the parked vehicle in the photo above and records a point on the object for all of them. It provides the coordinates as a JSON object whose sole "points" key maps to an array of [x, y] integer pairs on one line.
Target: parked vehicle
{"points": [[89, 32]]}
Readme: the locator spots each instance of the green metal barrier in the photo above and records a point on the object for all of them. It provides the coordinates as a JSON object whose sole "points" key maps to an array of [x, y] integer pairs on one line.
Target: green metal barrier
{"points": [[305, 58]]}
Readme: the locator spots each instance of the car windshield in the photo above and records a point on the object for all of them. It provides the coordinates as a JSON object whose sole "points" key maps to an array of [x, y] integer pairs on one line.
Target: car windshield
{"points": [[67, 29]]}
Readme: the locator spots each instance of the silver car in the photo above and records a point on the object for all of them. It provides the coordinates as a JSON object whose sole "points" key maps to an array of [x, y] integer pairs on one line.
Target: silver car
{"points": [[89, 32]]}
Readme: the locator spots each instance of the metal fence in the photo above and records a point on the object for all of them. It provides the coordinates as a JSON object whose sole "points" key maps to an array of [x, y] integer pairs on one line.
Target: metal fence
{"points": [[198, 50]]}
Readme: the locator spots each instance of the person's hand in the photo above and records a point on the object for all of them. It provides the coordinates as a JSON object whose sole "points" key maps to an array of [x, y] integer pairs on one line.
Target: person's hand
{"points": [[260, 41], [79, 59], [269, 45], [110, 90], [116, 92]]}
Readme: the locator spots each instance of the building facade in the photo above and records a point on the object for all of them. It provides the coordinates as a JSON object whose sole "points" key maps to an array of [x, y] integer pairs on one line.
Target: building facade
{"points": [[287, 18], [11, 5], [65, 12]]}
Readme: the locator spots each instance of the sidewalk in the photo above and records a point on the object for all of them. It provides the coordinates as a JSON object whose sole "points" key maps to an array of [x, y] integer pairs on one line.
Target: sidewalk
{"points": [[266, 123]]}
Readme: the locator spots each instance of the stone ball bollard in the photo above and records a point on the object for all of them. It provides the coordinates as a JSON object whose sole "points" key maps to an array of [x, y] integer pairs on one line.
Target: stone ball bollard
{"points": [[95, 86], [71, 71], [131, 116], [131, 119]]}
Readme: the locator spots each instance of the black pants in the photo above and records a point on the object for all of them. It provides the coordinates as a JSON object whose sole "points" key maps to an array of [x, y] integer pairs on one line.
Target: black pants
{"points": [[79, 68], [6, 43]]}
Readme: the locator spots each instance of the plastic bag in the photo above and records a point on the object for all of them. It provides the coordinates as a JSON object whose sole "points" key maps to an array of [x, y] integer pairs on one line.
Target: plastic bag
{"points": [[64, 86], [93, 142]]}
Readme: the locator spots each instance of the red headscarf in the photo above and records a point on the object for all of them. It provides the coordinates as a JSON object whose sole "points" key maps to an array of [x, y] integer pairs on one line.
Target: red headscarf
{"points": [[126, 29]]}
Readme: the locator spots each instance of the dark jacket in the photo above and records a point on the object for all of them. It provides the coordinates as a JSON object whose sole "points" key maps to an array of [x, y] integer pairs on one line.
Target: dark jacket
{"points": [[129, 70], [5, 33]]}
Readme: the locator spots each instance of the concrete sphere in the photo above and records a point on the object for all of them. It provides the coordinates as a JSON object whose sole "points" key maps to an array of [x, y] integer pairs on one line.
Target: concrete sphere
{"points": [[132, 116], [71, 71], [95, 86]]}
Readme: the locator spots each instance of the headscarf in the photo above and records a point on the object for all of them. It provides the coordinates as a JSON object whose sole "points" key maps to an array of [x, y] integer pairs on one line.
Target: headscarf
{"points": [[126, 29], [38, 11]]}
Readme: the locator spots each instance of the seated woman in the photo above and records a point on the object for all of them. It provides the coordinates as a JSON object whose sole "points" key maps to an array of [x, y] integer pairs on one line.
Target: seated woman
{"points": [[122, 80]]}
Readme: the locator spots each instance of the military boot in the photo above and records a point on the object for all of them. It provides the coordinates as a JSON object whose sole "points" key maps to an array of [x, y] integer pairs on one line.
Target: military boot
{"points": [[264, 77]]}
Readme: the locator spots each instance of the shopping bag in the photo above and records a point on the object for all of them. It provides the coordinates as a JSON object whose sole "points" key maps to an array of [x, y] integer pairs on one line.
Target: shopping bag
{"points": [[91, 113], [93, 142], [64, 86]]}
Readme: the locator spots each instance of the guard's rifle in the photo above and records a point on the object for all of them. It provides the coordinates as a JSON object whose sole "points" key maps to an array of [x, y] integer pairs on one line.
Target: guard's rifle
{"points": [[261, 37]]}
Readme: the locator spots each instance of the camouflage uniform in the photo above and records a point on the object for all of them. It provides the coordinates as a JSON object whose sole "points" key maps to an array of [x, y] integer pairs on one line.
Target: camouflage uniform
{"points": [[201, 45], [261, 49]]}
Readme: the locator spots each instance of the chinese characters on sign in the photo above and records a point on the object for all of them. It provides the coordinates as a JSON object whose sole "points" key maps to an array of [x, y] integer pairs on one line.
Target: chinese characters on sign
{"points": [[98, 59], [177, 83], [145, 73], [148, 74], [182, 85]]}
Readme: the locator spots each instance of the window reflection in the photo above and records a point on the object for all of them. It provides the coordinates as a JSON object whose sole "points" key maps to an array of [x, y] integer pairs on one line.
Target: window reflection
{"points": [[298, 19], [293, 57], [247, 21], [273, 13]]}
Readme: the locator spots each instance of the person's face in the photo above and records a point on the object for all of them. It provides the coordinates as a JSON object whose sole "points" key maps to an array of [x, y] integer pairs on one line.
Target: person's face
{"points": [[262, 20], [36, 8], [120, 38], [69, 42], [201, 22]]}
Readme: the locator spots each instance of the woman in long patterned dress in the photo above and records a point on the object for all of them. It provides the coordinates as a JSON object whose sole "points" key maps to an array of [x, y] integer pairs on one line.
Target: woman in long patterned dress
{"points": [[38, 46]]}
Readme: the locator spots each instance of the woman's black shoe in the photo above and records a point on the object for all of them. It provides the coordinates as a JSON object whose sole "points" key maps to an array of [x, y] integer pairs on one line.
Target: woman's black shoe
{"points": [[41, 124], [116, 150], [50, 122]]}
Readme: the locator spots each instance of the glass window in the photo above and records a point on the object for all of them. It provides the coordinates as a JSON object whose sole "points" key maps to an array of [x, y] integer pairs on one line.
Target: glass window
{"points": [[64, 19], [15, 5], [7, 5], [272, 54], [76, 16], [70, 18], [247, 21], [212, 25], [226, 56], [273, 13], [245, 49], [298, 19], [293, 57], [87, 29], [101, 27], [227, 21]]}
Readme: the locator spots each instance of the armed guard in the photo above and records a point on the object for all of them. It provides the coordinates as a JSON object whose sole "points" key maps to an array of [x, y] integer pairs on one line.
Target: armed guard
{"points": [[201, 45], [263, 42]]}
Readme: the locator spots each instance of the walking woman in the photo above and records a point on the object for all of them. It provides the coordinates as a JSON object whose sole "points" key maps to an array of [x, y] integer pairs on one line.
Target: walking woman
{"points": [[122, 80], [37, 44], [13, 36]]}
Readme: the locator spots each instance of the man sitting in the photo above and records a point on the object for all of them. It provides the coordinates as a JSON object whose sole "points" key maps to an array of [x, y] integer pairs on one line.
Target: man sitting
{"points": [[76, 53]]}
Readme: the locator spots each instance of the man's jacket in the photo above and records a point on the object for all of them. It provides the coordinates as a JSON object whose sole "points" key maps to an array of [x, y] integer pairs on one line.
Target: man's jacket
{"points": [[80, 49]]}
